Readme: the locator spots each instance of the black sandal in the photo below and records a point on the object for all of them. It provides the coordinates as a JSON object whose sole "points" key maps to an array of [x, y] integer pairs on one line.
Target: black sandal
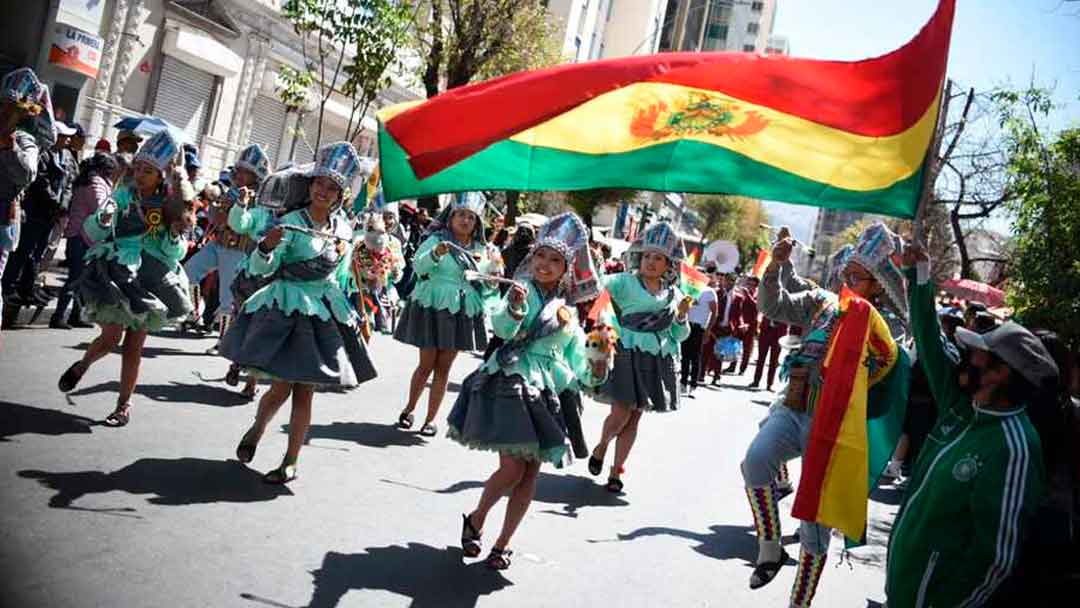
{"points": [[596, 465], [119, 417], [281, 475], [763, 574], [245, 451], [232, 377], [470, 537], [498, 559], [405, 421], [71, 377], [614, 485]]}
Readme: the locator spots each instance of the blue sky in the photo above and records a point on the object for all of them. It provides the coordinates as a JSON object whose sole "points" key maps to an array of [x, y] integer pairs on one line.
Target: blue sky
{"points": [[994, 41]]}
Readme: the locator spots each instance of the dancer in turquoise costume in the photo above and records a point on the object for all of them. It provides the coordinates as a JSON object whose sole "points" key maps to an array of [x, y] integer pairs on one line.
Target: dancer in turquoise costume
{"points": [[133, 283], [445, 313], [300, 329], [650, 313], [511, 404], [229, 248]]}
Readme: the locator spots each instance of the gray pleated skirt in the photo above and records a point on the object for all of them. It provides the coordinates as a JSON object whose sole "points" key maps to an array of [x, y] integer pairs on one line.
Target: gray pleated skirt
{"points": [[643, 381], [500, 413], [425, 327], [112, 293], [297, 348], [169, 286]]}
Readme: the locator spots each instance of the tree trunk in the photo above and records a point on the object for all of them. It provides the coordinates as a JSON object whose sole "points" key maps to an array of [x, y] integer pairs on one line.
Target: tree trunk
{"points": [[512, 199], [958, 235]]}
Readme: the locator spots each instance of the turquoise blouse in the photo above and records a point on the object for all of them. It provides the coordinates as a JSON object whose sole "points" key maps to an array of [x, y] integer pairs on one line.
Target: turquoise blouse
{"points": [[442, 283], [320, 298], [127, 250], [630, 296], [556, 362]]}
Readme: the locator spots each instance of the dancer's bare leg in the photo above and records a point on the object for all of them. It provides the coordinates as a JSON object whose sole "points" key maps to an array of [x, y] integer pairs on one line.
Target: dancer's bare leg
{"points": [[420, 377], [508, 475], [443, 362], [300, 420], [518, 504]]}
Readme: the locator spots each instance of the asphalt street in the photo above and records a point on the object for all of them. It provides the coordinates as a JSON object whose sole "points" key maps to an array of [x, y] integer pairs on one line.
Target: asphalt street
{"points": [[160, 514]]}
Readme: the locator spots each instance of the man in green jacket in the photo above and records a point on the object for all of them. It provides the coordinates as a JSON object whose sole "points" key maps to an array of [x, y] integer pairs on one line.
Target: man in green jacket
{"points": [[979, 475]]}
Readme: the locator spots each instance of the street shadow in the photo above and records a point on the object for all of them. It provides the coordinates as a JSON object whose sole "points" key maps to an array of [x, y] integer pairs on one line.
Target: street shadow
{"points": [[181, 481], [19, 419], [571, 492], [431, 577], [761, 402], [175, 392], [176, 334], [722, 542], [453, 387], [367, 434], [148, 352]]}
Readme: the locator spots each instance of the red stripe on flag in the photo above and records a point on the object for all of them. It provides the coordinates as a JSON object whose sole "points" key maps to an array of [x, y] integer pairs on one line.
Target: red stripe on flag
{"points": [[602, 301]]}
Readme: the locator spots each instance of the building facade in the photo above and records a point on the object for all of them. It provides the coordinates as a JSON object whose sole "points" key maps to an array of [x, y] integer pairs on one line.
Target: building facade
{"points": [[210, 67], [717, 25]]}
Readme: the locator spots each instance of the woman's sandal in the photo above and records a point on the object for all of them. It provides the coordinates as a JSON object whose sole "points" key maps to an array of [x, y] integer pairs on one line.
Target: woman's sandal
{"points": [[232, 377], [614, 485], [470, 537], [405, 421], [498, 559], [429, 430], [245, 451], [281, 475], [249, 391], [119, 417], [71, 377], [763, 574], [596, 465]]}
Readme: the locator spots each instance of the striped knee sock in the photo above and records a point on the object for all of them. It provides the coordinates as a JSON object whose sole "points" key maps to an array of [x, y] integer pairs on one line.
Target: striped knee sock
{"points": [[806, 579], [766, 513]]}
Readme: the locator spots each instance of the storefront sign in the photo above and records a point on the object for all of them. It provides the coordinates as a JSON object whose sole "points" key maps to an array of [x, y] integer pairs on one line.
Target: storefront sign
{"points": [[75, 50], [83, 14]]}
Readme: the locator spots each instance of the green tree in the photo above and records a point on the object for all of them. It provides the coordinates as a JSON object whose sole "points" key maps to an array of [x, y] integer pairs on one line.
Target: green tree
{"points": [[462, 40], [1045, 268], [732, 218], [351, 47], [586, 202]]}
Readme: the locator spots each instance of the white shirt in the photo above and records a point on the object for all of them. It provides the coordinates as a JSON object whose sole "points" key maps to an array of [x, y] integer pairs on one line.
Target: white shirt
{"points": [[701, 312]]}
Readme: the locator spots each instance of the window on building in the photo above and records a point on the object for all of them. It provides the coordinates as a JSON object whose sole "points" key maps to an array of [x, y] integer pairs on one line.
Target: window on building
{"points": [[748, 48], [752, 28], [757, 7]]}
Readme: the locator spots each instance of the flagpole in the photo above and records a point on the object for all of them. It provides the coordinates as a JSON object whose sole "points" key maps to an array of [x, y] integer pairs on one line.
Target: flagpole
{"points": [[932, 164]]}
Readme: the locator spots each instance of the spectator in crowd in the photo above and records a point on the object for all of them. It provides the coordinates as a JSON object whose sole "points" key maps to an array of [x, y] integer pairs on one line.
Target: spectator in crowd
{"points": [[46, 199], [25, 118], [709, 361], [92, 188], [701, 317], [192, 166], [980, 476], [77, 142], [127, 142], [769, 336], [971, 312], [732, 316], [749, 319], [103, 146]]}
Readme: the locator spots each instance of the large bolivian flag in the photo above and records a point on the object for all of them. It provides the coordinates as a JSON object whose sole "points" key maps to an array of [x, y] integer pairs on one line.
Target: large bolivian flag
{"points": [[849, 135]]}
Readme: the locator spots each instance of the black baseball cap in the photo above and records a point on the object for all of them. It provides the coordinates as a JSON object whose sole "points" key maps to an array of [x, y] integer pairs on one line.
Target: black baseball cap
{"points": [[1020, 349]]}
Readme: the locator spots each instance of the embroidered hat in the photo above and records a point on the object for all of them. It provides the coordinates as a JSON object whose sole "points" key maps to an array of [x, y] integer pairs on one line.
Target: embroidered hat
{"points": [[834, 277], [338, 161], [566, 234], [160, 150], [661, 238], [22, 87], [467, 201], [255, 160], [875, 251]]}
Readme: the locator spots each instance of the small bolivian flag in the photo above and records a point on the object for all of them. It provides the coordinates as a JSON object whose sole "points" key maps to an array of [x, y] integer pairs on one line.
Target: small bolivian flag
{"points": [[692, 281], [849, 135], [763, 260]]}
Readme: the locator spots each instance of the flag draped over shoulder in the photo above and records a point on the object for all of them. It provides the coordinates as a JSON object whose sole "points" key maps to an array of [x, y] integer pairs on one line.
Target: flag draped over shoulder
{"points": [[849, 442], [848, 135]]}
